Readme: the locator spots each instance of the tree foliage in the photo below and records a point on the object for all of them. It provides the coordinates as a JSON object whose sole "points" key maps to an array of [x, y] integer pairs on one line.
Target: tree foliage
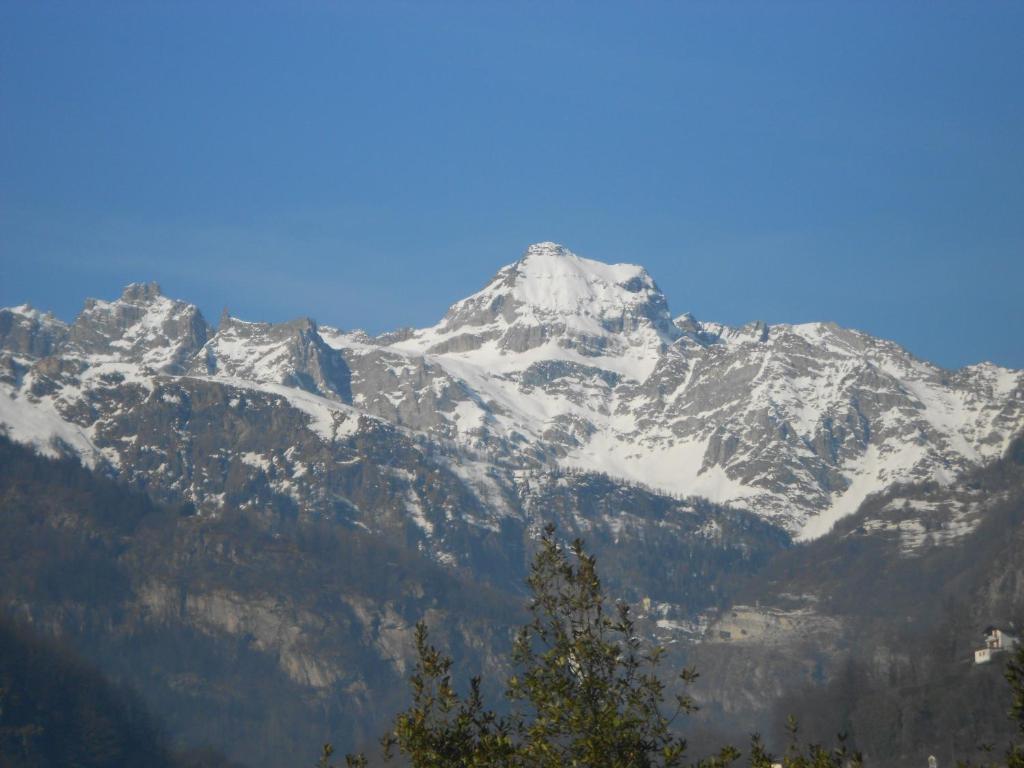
{"points": [[442, 728], [1015, 676], [590, 691], [58, 710], [586, 691], [814, 756]]}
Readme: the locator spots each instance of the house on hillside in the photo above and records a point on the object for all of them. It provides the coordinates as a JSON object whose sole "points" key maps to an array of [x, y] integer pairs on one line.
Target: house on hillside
{"points": [[996, 641]]}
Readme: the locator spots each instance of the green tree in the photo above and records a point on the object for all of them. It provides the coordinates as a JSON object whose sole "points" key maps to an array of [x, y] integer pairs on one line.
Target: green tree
{"points": [[585, 692], [589, 691], [814, 756], [441, 728], [1015, 676]]}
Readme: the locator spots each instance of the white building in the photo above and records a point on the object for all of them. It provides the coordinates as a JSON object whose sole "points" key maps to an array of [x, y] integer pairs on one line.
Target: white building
{"points": [[996, 641]]}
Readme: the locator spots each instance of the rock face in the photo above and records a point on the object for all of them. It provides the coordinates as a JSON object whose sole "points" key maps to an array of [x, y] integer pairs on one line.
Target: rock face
{"points": [[143, 328], [559, 363], [291, 354], [29, 333], [26, 335]]}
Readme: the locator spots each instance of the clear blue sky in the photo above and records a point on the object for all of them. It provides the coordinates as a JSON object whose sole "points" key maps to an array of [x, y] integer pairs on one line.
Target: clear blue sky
{"points": [[369, 163]]}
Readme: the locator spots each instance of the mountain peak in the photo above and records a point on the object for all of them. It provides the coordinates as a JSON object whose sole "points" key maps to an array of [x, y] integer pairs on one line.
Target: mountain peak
{"points": [[550, 280], [142, 326], [551, 283], [547, 249], [553, 297], [141, 293], [574, 277]]}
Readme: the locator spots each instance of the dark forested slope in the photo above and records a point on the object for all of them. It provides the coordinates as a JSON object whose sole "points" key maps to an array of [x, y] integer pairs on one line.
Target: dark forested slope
{"points": [[57, 710], [871, 629], [262, 632], [259, 639]]}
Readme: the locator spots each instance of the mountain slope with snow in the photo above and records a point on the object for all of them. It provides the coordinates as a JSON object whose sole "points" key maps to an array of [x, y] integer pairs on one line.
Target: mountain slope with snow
{"points": [[559, 362]]}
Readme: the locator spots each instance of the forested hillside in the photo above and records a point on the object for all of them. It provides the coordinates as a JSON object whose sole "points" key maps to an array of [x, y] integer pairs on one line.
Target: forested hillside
{"points": [[887, 610], [260, 640], [263, 634], [57, 710]]}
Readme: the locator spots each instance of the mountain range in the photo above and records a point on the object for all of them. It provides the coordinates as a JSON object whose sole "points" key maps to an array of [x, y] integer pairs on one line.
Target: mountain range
{"points": [[318, 490], [559, 362]]}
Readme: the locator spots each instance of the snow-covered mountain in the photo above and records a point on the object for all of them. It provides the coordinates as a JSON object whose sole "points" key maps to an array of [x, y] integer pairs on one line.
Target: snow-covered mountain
{"points": [[558, 363]]}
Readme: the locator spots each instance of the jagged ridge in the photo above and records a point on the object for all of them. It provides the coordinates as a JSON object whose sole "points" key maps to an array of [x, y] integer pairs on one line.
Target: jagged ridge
{"points": [[559, 361]]}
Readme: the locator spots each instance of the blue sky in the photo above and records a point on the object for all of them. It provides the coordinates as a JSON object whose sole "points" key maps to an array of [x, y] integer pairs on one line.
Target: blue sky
{"points": [[369, 163]]}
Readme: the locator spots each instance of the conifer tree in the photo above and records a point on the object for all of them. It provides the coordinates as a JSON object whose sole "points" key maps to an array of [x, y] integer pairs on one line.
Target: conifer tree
{"points": [[814, 756], [1015, 676], [442, 729], [588, 688], [585, 693]]}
